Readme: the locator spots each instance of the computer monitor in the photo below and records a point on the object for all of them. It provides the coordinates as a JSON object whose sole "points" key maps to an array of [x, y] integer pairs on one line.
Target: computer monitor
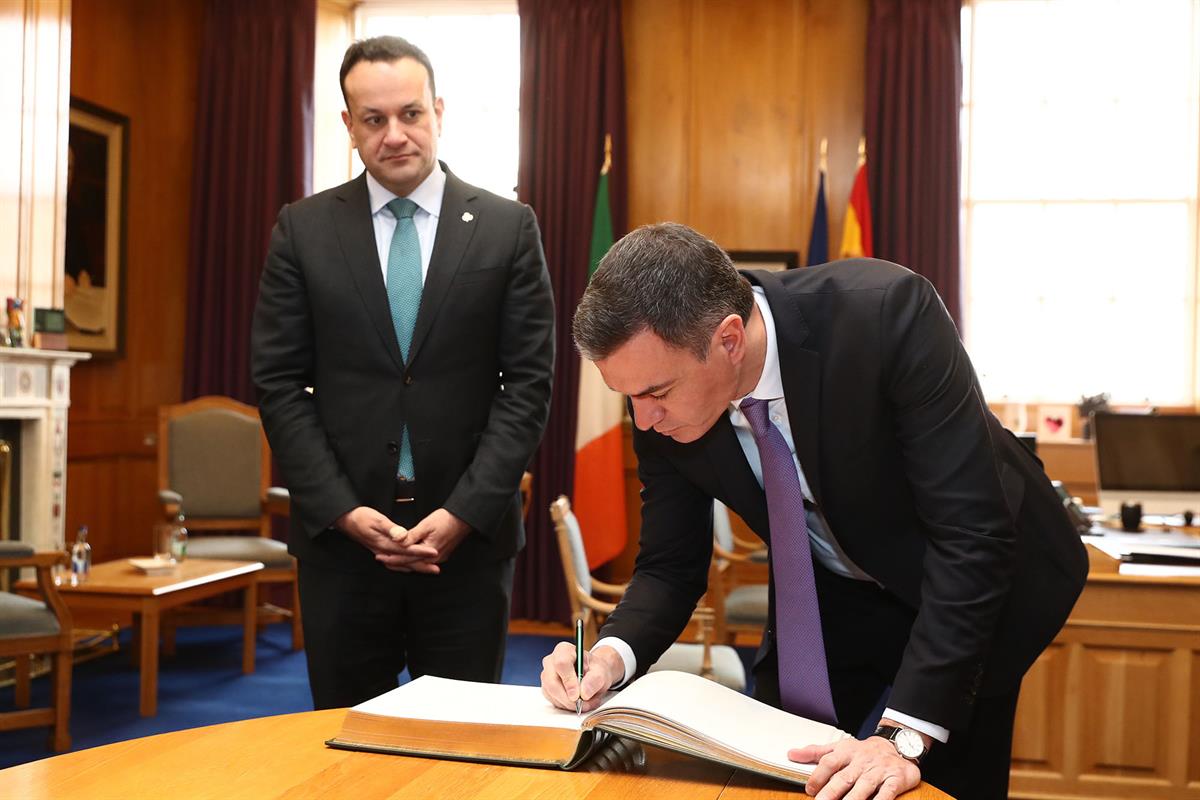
{"points": [[1150, 459]]}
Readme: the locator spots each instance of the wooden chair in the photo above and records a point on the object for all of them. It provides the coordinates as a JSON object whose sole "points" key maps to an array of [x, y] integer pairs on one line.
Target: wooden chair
{"points": [[28, 628], [720, 663], [214, 464], [526, 494], [740, 608]]}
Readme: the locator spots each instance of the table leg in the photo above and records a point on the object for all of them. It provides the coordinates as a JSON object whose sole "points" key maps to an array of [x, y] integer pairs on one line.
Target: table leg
{"points": [[249, 627], [135, 639], [149, 658]]}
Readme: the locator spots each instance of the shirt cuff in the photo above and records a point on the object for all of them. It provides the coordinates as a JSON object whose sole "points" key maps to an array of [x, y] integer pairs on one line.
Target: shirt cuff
{"points": [[928, 728], [626, 654]]}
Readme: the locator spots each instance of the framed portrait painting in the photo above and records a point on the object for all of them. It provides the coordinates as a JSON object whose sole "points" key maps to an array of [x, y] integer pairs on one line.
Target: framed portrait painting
{"points": [[772, 260], [94, 261]]}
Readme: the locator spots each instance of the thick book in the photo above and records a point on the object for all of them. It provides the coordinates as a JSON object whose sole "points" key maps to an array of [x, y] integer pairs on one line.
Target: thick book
{"points": [[469, 721]]}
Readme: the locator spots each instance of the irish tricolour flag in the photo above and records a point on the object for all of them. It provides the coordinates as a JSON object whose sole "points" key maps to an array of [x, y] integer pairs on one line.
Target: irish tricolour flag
{"points": [[599, 500]]}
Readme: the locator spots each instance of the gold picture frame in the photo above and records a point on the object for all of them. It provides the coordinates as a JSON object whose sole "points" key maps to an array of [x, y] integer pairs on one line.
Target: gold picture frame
{"points": [[94, 260]]}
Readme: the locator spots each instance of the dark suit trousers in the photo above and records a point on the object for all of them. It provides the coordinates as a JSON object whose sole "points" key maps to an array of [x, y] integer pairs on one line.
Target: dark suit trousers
{"points": [[361, 629], [865, 630]]}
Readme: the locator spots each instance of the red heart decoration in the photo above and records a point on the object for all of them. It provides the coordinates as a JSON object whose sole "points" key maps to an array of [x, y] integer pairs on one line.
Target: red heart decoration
{"points": [[1054, 423]]}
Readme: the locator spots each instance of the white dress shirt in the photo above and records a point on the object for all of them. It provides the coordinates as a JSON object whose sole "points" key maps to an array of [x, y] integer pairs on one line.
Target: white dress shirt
{"points": [[427, 196], [824, 545]]}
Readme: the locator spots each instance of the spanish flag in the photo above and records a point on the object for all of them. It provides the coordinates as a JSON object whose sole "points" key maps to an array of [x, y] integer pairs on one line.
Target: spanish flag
{"points": [[856, 231], [599, 501]]}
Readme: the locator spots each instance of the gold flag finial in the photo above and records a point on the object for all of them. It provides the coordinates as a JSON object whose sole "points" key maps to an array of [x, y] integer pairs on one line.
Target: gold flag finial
{"points": [[862, 149], [824, 154], [607, 154]]}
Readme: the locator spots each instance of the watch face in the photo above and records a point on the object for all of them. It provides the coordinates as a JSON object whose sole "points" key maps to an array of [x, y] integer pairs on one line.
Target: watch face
{"points": [[908, 743]]}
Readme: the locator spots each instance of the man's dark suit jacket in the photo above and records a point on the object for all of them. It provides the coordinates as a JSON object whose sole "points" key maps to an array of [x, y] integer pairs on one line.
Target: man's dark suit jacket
{"points": [[920, 484], [474, 393]]}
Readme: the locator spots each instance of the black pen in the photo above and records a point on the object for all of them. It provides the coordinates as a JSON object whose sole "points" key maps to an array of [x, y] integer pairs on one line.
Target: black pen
{"points": [[579, 664]]}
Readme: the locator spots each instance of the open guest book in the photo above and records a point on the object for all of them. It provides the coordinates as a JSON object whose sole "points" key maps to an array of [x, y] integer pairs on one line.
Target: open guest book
{"points": [[515, 725]]}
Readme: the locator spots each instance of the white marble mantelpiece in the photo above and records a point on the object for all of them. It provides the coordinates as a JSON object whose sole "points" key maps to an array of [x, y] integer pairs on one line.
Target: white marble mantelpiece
{"points": [[35, 387]]}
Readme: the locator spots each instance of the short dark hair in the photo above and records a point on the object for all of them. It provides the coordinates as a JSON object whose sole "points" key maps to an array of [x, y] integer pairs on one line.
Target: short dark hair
{"points": [[383, 48], [666, 278]]}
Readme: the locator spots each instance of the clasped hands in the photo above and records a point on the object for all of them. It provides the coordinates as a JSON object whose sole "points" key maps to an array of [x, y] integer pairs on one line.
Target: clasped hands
{"points": [[850, 769], [420, 548]]}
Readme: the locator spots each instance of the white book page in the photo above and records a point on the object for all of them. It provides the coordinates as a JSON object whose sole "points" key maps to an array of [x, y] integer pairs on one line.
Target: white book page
{"points": [[446, 700], [723, 715], [1160, 570]]}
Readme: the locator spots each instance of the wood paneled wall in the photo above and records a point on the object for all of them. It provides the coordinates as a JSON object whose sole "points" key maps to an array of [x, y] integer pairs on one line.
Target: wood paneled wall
{"points": [[728, 101], [727, 105], [138, 57]]}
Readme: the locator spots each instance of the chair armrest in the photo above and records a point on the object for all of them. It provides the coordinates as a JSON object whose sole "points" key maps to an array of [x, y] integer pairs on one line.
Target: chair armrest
{"points": [[597, 605], [171, 502], [11, 549], [728, 555], [612, 589], [42, 560], [748, 544], [278, 501]]}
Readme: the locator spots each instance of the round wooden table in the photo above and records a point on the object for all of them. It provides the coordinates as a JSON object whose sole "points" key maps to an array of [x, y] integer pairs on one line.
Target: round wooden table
{"points": [[286, 757]]}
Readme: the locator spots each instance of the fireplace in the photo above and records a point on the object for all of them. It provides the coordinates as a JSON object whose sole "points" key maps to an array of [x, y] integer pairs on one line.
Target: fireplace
{"points": [[35, 391]]}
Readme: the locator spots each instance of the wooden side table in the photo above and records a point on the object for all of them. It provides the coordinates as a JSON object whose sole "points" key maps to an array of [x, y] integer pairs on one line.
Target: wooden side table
{"points": [[119, 586]]}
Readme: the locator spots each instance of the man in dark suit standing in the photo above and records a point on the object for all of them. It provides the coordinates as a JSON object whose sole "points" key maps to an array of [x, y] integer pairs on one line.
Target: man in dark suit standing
{"points": [[920, 558], [403, 348]]}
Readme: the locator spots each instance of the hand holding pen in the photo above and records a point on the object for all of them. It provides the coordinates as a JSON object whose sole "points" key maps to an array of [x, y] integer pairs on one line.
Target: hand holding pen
{"points": [[575, 678]]}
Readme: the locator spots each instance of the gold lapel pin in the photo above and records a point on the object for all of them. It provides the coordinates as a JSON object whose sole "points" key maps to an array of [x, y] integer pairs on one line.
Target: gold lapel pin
{"points": [[467, 216]]}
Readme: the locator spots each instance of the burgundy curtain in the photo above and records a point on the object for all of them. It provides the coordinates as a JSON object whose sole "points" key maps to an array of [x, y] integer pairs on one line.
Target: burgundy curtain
{"points": [[914, 90], [253, 150], [572, 94]]}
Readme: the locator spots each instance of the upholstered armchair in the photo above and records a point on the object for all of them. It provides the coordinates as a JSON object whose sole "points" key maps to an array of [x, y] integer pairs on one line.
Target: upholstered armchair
{"points": [[720, 663], [31, 627], [214, 465]]}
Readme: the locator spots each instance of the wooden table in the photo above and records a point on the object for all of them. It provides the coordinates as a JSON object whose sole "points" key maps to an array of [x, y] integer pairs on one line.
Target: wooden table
{"points": [[117, 585], [285, 756]]}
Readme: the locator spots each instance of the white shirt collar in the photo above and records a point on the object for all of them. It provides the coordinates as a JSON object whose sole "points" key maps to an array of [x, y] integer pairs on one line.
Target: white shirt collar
{"points": [[428, 195], [770, 383]]}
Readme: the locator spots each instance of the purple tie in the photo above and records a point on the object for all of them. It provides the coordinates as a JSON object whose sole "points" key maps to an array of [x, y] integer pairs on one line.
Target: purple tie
{"points": [[800, 647]]}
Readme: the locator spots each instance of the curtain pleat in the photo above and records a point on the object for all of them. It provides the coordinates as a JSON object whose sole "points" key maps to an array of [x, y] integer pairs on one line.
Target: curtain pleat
{"points": [[572, 94], [913, 97]]}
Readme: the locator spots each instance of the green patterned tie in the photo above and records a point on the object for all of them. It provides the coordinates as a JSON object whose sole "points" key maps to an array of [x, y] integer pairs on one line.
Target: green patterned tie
{"points": [[404, 295]]}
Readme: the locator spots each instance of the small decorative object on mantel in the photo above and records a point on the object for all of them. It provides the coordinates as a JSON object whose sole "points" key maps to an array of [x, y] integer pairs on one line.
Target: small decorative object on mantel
{"points": [[15, 335], [49, 329], [1088, 405]]}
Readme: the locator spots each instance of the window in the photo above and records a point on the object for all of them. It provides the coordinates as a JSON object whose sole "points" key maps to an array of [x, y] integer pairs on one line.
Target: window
{"points": [[1080, 148], [474, 46]]}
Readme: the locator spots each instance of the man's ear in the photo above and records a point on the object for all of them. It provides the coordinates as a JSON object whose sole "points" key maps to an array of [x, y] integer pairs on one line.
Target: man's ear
{"points": [[732, 336], [349, 127]]}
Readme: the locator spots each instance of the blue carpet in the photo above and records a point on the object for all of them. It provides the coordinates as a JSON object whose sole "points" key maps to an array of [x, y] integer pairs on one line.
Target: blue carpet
{"points": [[203, 684]]}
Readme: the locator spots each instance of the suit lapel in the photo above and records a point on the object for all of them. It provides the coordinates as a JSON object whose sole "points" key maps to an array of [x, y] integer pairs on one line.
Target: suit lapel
{"points": [[457, 223], [356, 235], [801, 372]]}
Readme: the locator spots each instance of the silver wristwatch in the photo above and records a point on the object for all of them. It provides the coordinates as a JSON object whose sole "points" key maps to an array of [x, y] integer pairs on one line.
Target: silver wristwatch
{"points": [[908, 743]]}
